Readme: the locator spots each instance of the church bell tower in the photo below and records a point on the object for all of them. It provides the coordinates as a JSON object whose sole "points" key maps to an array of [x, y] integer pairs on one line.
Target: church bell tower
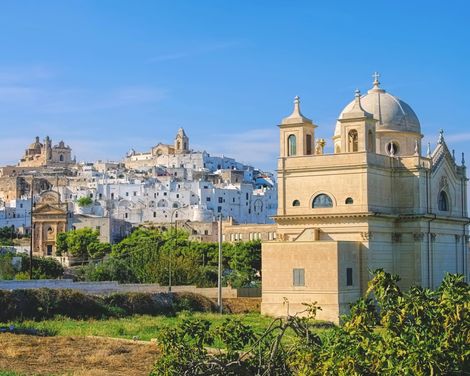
{"points": [[297, 136]]}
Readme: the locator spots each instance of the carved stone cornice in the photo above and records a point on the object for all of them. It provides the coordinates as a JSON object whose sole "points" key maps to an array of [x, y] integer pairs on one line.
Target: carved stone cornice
{"points": [[396, 237], [366, 235]]}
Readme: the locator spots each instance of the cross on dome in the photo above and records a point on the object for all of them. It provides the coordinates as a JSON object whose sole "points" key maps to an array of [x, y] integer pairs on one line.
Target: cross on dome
{"points": [[376, 76]]}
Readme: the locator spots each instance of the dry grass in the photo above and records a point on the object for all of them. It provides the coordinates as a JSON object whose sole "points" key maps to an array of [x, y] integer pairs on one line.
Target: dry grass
{"points": [[243, 305], [75, 356]]}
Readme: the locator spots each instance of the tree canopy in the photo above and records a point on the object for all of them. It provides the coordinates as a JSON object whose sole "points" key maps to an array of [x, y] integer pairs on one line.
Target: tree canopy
{"points": [[146, 255]]}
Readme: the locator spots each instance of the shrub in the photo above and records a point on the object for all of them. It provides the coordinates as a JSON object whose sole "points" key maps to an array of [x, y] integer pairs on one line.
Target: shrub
{"points": [[140, 303], [188, 301], [39, 304]]}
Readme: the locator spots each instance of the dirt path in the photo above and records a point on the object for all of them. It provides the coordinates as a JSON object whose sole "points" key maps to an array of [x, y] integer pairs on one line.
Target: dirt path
{"points": [[75, 356]]}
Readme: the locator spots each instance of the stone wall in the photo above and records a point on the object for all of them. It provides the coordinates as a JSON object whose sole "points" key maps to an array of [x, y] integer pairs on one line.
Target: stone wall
{"points": [[106, 288]]}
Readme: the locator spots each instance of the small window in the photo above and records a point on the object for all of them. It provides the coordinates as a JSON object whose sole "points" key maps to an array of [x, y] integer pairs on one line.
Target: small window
{"points": [[208, 199], [353, 141], [370, 141], [443, 202], [296, 203], [154, 214], [322, 201], [349, 277], [308, 140], [299, 277], [349, 201]]}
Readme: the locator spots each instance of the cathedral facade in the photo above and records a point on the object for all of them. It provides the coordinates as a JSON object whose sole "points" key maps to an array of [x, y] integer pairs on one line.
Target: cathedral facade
{"points": [[376, 202]]}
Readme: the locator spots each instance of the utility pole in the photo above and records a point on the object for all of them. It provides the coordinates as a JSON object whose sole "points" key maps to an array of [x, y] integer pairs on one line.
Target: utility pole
{"points": [[32, 230], [169, 259], [219, 279]]}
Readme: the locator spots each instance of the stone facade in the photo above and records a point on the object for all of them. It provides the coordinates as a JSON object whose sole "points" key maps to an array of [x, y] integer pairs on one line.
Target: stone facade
{"points": [[50, 217], [376, 202]]}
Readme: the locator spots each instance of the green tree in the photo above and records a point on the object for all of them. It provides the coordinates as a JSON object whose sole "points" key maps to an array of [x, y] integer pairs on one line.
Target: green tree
{"points": [[83, 243], [84, 201], [7, 234], [244, 261]]}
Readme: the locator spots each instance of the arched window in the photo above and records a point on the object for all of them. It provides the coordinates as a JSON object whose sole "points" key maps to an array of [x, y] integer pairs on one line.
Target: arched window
{"points": [[443, 201], [296, 203], [370, 141], [291, 145], [322, 201], [349, 201], [61, 157], [162, 204], [353, 141]]}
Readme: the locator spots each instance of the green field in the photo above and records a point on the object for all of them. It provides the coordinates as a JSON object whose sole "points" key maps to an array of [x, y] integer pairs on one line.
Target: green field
{"points": [[135, 327]]}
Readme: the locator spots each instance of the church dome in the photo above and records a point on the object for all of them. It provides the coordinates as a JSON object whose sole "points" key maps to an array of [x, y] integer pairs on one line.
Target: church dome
{"points": [[391, 112], [35, 145]]}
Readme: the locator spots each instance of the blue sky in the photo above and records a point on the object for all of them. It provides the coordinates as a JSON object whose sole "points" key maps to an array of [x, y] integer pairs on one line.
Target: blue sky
{"points": [[106, 75]]}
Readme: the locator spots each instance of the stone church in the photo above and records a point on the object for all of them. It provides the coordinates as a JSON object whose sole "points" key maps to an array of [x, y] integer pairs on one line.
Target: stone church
{"points": [[377, 201], [40, 154]]}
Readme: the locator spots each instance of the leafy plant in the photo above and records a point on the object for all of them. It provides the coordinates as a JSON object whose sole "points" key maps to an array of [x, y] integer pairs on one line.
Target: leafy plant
{"points": [[84, 201], [414, 332]]}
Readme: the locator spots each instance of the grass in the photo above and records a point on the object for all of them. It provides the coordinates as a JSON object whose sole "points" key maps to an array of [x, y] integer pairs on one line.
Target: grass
{"points": [[143, 327], [138, 327]]}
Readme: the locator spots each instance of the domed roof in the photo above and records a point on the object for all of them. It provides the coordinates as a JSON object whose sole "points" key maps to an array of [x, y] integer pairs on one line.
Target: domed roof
{"points": [[35, 145], [390, 111]]}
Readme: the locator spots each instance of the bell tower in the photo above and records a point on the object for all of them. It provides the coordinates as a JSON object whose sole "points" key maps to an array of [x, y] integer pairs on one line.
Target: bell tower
{"points": [[357, 129], [181, 142], [297, 134]]}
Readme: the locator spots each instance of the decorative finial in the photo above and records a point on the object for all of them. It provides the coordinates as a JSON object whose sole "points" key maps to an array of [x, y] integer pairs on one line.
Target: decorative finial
{"points": [[463, 159], [376, 76], [297, 105], [441, 136], [428, 154], [357, 93], [296, 116], [453, 154]]}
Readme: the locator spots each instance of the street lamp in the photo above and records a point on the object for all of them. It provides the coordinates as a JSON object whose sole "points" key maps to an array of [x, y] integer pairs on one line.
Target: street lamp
{"points": [[176, 241]]}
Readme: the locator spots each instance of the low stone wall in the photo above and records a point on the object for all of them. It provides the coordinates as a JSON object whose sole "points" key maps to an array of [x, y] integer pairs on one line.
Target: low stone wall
{"points": [[106, 288]]}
